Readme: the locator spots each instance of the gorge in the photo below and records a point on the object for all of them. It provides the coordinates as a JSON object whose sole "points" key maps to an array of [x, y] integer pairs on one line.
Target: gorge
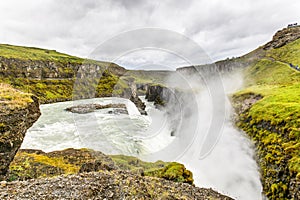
{"points": [[230, 135]]}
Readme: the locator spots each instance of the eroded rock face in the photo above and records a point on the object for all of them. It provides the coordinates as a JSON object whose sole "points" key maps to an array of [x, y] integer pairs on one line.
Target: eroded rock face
{"points": [[283, 37], [159, 94], [279, 181], [14, 121]]}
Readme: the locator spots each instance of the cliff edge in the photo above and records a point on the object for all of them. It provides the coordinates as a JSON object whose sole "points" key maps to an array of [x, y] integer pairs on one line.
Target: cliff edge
{"points": [[18, 111]]}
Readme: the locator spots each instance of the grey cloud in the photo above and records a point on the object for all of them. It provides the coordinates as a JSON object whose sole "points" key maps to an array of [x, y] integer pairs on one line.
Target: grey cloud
{"points": [[222, 28]]}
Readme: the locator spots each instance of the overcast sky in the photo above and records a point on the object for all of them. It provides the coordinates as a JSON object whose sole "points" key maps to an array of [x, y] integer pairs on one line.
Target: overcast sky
{"points": [[222, 28]]}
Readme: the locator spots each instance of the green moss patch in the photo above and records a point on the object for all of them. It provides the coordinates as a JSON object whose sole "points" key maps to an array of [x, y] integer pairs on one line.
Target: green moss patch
{"points": [[171, 171], [273, 122]]}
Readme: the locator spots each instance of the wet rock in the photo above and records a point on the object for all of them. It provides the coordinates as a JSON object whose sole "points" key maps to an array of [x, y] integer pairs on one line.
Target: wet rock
{"points": [[87, 108]]}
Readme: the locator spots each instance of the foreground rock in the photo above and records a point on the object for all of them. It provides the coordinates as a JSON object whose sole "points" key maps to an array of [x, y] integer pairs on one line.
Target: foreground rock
{"points": [[88, 174], [18, 111], [32, 164], [104, 185], [87, 108]]}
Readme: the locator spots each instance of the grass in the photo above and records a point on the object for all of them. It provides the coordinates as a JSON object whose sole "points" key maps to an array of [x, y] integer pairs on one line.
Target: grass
{"points": [[12, 98], [32, 53], [273, 122], [288, 53]]}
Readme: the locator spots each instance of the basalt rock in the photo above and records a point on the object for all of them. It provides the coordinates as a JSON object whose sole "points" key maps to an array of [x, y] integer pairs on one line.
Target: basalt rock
{"points": [[18, 112], [158, 94]]}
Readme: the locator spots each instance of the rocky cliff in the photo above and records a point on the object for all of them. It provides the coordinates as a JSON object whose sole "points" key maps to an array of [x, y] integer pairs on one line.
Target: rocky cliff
{"points": [[283, 37], [220, 67], [158, 94], [18, 111], [54, 76], [268, 111]]}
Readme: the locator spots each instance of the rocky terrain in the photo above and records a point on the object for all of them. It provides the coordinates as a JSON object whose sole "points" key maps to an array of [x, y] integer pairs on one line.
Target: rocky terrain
{"points": [[267, 109], [283, 37], [79, 174], [88, 174], [104, 185], [18, 111]]}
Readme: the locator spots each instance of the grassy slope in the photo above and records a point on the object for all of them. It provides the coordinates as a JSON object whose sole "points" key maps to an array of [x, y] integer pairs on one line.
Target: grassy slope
{"points": [[51, 90], [39, 54], [279, 148], [32, 53]]}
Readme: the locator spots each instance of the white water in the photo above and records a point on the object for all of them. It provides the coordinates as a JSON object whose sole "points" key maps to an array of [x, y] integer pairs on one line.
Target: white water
{"points": [[229, 168]]}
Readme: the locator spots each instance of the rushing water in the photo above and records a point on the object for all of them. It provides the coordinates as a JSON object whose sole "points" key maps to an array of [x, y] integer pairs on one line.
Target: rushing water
{"points": [[230, 168]]}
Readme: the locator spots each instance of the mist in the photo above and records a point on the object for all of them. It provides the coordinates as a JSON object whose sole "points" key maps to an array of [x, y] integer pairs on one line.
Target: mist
{"points": [[205, 139]]}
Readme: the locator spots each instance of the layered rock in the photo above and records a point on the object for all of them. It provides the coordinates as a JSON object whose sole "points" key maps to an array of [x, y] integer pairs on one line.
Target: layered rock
{"points": [[49, 69], [18, 112]]}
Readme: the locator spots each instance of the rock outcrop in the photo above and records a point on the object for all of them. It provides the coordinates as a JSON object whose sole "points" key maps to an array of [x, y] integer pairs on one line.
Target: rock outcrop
{"points": [[104, 185], [283, 37], [87, 108], [88, 174], [272, 140], [18, 111], [60, 69], [158, 94]]}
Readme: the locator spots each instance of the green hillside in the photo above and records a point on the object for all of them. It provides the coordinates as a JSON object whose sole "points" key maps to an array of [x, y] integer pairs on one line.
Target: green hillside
{"points": [[273, 122], [33, 53], [51, 75]]}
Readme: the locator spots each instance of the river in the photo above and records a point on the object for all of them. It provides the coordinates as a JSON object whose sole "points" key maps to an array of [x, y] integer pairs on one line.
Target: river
{"points": [[229, 168]]}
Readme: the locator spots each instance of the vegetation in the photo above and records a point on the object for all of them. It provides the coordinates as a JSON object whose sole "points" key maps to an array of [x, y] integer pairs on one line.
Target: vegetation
{"points": [[273, 122], [29, 164], [171, 171], [50, 75], [33, 53], [12, 98]]}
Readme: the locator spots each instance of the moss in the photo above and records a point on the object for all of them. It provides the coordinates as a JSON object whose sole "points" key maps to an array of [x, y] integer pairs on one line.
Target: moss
{"points": [[273, 121], [171, 171], [61, 90], [55, 162], [134, 164], [29, 164]]}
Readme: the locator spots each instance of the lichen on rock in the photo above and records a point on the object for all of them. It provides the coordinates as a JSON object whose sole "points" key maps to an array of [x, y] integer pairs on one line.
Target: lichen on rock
{"points": [[18, 112]]}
